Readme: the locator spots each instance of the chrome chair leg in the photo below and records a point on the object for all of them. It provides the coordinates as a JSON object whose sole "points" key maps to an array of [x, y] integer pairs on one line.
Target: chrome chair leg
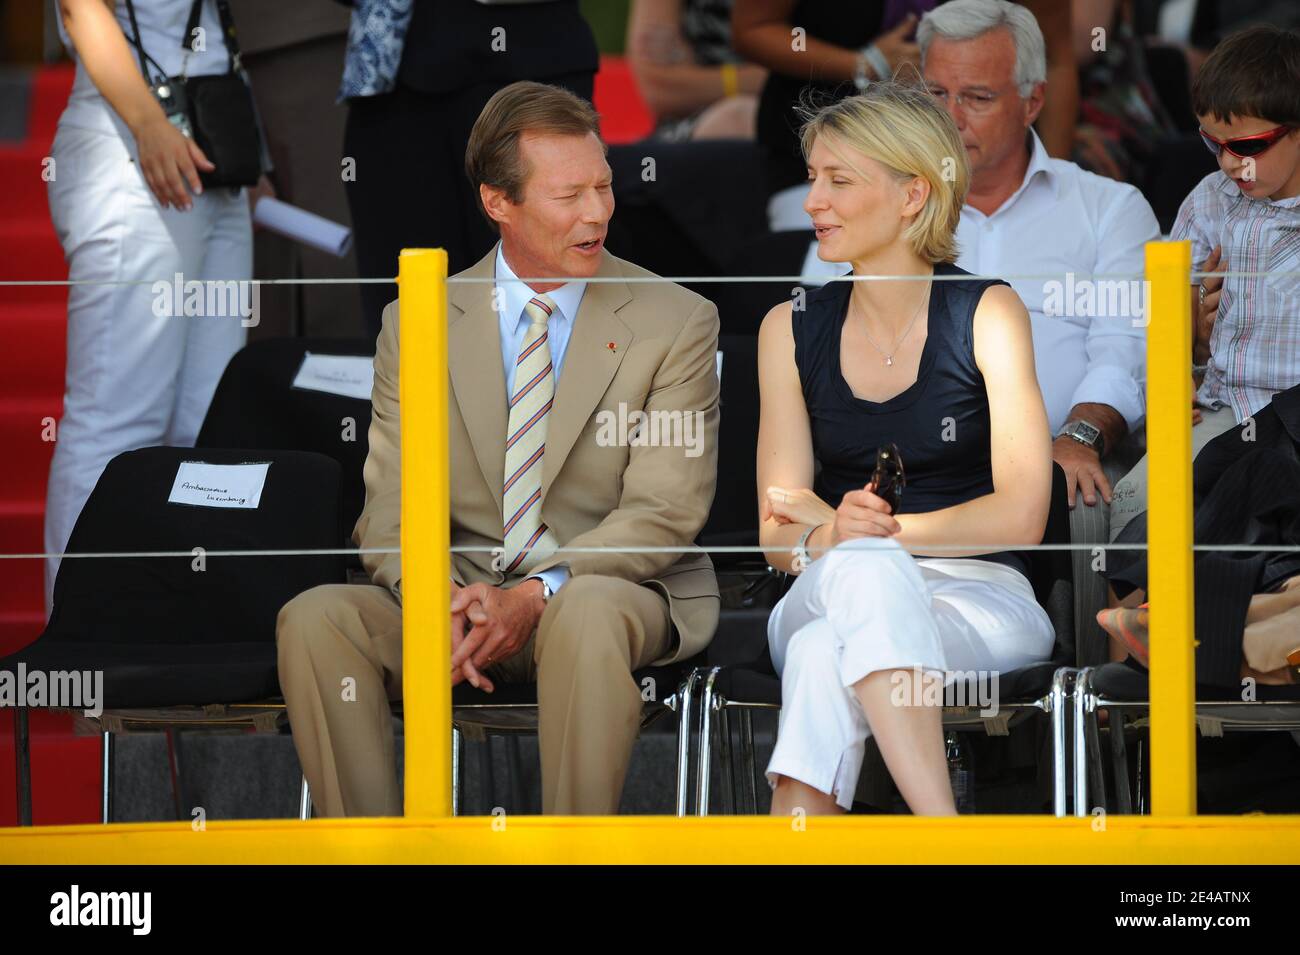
{"points": [[1081, 694], [1092, 747], [749, 792], [702, 767], [23, 765], [1058, 700], [686, 697], [106, 774], [457, 754], [1119, 761], [304, 800], [724, 751]]}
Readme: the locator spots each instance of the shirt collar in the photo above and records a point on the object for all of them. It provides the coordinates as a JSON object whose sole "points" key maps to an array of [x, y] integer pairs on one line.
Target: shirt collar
{"points": [[1040, 164], [515, 295], [1230, 190]]}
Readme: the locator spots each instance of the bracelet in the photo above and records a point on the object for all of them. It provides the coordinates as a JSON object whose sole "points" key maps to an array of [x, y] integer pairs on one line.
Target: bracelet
{"points": [[878, 61], [730, 80], [801, 556]]}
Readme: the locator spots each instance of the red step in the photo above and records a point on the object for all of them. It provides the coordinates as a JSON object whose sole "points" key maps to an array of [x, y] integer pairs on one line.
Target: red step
{"points": [[65, 771], [34, 366], [50, 88], [18, 628], [24, 422], [30, 251], [24, 168]]}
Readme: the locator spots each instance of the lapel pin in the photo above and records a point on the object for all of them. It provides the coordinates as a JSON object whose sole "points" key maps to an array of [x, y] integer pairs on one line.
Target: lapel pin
{"points": [[611, 346]]}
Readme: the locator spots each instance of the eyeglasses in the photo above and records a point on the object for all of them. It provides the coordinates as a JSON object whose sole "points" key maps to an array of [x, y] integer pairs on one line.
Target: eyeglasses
{"points": [[1244, 147], [976, 101]]}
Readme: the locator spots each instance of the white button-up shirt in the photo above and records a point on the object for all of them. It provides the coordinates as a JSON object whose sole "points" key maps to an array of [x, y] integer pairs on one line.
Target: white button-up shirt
{"points": [[512, 295], [1062, 220]]}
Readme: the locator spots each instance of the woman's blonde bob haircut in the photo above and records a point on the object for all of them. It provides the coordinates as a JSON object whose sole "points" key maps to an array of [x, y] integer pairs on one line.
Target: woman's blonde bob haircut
{"points": [[906, 131]]}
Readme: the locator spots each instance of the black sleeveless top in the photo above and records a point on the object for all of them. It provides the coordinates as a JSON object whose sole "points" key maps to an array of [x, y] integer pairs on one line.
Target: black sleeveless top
{"points": [[940, 423]]}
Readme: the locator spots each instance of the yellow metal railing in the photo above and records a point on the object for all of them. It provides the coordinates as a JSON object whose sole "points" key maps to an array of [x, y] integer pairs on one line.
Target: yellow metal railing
{"points": [[1169, 529], [427, 833]]}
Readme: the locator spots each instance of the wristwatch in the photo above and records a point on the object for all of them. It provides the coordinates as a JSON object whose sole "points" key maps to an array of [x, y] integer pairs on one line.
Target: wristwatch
{"points": [[1086, 434], [547, 592]]}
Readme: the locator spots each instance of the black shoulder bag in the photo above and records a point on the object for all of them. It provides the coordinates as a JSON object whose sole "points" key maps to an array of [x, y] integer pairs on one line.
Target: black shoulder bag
{"points": [[216, 111]]}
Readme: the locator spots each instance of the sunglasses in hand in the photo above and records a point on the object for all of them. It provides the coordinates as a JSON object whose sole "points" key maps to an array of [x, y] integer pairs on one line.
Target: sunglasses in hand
{"points": [[888, 476]]}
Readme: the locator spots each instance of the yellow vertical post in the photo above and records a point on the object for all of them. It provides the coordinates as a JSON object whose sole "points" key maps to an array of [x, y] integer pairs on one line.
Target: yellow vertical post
{"points": [[426, 530], [1169, 537]]}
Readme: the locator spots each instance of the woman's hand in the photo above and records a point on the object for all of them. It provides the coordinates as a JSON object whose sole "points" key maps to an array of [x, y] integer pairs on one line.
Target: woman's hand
{"points": [[896, 47], [168, 160], [863, 514], [795, 506]]}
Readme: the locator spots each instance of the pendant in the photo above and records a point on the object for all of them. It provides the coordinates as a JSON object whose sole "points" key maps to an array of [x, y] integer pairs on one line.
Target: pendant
{"points": [[889, 360]]}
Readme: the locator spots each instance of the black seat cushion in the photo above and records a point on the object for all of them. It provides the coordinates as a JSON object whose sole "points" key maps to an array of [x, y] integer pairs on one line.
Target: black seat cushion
{"points": [[164, 632], [1128, 681]]}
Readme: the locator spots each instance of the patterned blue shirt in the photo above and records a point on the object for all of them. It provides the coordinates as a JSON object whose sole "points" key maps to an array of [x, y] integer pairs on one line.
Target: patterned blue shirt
{"points": [[375, 39]]}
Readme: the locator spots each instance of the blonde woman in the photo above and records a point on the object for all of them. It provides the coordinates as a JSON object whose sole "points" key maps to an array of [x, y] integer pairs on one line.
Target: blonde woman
{"points": [[943, 369]]}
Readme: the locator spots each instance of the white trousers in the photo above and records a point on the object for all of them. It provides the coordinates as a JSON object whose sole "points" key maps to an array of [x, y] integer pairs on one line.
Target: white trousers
{"points": [[865, 607], [135, 378]]}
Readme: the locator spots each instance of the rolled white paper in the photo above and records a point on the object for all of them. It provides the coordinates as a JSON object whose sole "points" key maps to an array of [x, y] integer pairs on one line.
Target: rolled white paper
{"points": [[302, 226]]}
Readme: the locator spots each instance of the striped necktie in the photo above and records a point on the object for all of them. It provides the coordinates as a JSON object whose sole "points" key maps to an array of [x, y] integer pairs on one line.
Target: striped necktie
{"points": [[527, 539]]}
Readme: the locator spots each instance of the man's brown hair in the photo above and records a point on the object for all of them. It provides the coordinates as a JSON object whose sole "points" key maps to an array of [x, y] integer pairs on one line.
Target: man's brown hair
{"points": [[1255, 72], [492, 155]]}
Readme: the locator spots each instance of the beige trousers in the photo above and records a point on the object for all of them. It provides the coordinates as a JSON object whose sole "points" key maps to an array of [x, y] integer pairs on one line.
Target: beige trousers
{"points": [[340, 661]]}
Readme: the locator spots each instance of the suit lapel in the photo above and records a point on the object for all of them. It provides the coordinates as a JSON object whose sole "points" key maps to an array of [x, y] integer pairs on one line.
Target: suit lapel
{"points": [[589, 365], [477, 379]]}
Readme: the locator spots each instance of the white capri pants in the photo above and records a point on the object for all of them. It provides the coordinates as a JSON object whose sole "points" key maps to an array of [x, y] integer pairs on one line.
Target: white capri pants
{"points": [[134, 379], [864, 607]]}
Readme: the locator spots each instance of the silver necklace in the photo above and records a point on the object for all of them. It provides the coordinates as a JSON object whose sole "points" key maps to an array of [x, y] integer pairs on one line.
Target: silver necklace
{"points": [[889, 356]]}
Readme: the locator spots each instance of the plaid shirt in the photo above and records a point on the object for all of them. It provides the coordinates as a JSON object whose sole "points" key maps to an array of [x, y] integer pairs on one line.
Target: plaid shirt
{"points": [[1255, 345]]}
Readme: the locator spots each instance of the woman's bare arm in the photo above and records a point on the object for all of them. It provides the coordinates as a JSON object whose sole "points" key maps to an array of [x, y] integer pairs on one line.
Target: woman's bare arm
{"points": [[670, 80], [167, 158], [760, 32], [785, 454]]}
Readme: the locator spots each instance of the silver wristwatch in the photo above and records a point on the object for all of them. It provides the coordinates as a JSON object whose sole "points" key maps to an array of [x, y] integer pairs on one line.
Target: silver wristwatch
{"points": [[1086, 434]]}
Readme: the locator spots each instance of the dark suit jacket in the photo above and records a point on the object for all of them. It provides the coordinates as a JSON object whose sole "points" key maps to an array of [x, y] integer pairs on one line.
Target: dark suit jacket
{"points": [[1246, 490], [450, 44]]}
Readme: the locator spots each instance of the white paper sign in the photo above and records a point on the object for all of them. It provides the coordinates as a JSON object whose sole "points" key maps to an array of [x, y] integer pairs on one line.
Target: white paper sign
{"points": [[219, 485], [352, 376]]}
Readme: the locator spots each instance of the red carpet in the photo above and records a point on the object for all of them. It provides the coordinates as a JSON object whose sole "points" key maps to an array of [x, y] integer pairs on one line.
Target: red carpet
{"points": [[65, 768]]}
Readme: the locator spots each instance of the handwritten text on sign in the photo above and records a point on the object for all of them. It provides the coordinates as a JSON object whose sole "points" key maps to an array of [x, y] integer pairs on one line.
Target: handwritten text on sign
{"points": [[219, 485]]}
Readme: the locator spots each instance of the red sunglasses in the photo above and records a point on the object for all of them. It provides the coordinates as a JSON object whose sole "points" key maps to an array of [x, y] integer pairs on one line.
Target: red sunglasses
{"points": [[1245, 147]]}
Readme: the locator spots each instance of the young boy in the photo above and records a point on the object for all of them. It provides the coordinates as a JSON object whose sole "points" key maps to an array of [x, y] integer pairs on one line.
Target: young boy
{"points": [[1243, 218]]}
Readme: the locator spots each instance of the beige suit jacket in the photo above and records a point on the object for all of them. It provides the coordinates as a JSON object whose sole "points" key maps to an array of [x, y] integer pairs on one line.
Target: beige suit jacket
{"points": [[594, 493]]}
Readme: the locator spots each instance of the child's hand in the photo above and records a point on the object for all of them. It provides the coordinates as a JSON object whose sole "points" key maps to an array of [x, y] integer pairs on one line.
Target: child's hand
{"points": [[1206, 306]]}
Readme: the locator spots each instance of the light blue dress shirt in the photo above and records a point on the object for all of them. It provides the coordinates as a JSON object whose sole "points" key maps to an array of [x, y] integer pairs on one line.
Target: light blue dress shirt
{"points": [[512, 295]]}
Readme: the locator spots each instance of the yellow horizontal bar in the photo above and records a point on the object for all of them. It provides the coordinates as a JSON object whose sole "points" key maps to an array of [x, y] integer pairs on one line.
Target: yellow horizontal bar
{"points": [[655, 839]]}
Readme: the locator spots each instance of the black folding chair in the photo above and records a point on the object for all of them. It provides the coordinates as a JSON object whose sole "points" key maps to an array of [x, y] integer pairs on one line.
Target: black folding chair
{"points": [[1122, 690], [184, 642], [256, 405], [1039, 688]]}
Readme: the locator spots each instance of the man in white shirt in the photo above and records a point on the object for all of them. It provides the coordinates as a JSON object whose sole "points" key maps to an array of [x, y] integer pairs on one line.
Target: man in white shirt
{"points": [[1078, 238]]}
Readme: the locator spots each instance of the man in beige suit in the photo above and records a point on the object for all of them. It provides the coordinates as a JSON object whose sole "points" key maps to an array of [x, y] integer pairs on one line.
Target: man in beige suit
{"points": [[549, 382]]}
